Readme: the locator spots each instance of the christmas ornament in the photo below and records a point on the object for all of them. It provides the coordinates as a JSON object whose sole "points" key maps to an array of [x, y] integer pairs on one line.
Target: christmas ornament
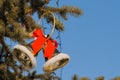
{"points": [[26, 55]]}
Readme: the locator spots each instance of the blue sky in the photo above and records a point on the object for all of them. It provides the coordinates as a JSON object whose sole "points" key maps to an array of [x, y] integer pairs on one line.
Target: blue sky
{"points": [[92, 40]]}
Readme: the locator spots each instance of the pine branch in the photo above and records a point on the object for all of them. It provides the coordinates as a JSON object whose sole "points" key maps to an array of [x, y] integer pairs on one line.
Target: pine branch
{"points": [[63, 11], [100, 78], [1, 3], [16, 23], [75, 77], [2, 28]]}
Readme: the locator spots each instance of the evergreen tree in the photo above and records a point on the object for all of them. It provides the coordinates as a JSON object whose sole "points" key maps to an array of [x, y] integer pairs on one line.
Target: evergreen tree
{"points": [[16, 22]]}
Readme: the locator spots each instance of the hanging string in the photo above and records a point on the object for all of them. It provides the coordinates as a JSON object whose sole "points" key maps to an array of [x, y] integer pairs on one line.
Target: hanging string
{"points": [[44, 28], [53, 27], [60, 41], [60, 49], [57, 2]]}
